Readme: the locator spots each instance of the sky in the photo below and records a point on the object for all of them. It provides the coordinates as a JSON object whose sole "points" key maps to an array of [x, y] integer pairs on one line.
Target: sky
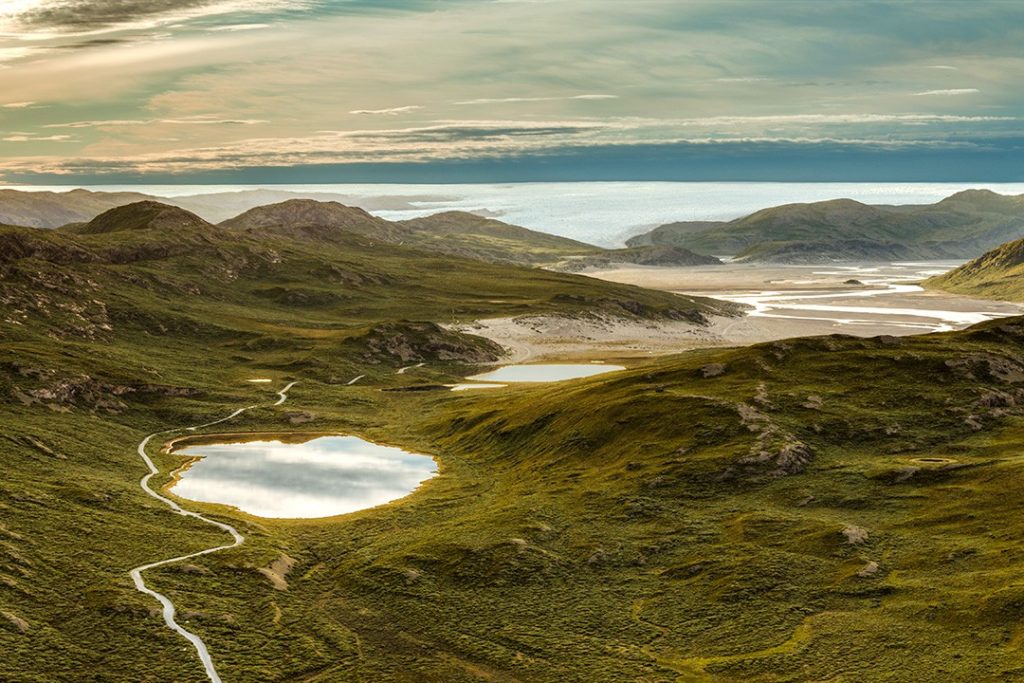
{"points": [[194, 91]]}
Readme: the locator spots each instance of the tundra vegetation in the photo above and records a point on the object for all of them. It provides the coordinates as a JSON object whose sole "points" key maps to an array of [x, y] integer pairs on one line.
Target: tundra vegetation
{"points": [[826, 508]]}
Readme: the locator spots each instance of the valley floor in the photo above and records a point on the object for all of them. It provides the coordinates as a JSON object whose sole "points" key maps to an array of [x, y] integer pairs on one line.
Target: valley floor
{"points": [[783, 301]]}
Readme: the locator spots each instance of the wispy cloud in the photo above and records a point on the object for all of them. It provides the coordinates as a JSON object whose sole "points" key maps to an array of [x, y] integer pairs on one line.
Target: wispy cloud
{"points": [[506, 100], [28, 137], [238, 27], [17, 105], [393, 111], [193, 121], [45, 20], [949, 92], [943, 67]]}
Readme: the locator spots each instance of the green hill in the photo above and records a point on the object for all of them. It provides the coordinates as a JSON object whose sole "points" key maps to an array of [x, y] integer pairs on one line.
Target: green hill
{"points": [[144, 215], [454, 233], [466, 234], [960, 226]]}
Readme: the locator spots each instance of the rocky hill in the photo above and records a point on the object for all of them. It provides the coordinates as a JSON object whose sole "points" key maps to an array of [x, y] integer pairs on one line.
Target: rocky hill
{"points": [[960, 226]]}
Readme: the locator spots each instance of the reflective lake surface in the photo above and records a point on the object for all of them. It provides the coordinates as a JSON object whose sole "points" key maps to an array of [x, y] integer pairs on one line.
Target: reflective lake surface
{"points": [[329, 475], [468, 386], [540, 372]]}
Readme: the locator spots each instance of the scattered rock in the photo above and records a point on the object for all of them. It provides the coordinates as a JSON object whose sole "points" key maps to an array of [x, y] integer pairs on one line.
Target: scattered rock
{"points": [[855, 535], [974, 423], [597, 558], [411, 575], [813, 402], [299, 417], [870, 569], [905, 473], [996, 399], [713, 370]]}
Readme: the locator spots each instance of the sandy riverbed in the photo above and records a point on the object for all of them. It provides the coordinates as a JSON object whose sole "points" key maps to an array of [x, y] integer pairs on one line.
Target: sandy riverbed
{"points": [[784, 301]]}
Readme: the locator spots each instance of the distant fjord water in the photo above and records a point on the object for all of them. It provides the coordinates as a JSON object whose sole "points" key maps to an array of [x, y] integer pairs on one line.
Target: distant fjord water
{"points": [[602, 213]]}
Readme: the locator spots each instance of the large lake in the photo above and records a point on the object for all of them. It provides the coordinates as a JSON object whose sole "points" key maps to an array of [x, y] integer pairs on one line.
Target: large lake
{"points": [[322, 477]]}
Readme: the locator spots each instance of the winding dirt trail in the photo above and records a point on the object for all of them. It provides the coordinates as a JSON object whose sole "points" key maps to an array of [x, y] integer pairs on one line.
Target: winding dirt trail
{"points": [[236, 539]]}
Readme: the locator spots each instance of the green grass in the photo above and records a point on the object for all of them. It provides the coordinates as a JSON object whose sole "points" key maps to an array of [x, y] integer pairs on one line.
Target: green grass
{"points": [[645, 525]]}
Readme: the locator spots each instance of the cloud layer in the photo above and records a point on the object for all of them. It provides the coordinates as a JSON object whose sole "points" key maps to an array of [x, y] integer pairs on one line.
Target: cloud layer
{"points": [[195, 86]]}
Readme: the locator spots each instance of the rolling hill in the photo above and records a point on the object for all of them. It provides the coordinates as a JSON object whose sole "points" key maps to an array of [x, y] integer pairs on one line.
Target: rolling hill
{"points": [[960, 226]]}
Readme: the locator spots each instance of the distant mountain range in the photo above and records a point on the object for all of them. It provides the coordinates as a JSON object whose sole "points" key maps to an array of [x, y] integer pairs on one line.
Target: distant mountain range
{"points": [[455, 233], [960, 226], [54, 209]]}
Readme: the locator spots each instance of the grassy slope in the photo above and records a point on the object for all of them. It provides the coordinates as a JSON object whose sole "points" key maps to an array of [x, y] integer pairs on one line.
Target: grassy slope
{"points": [[997, 274], [610, 529], [98, 332]]}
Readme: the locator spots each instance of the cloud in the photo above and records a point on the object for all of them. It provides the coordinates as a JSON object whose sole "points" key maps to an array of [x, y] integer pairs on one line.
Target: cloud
{"points": [[239, 27], [387, 112], [195, 121], [943, 67], [950, 92], [28, 137], [505, 100], [46, 20], [17, 105]]}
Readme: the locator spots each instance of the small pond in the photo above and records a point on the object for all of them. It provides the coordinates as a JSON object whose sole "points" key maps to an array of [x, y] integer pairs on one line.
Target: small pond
{"points": [[545, 372], [320, 477]]}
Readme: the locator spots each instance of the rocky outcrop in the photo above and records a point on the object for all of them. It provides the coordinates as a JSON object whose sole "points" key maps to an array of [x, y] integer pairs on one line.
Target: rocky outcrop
{"points": [[421, 342]]}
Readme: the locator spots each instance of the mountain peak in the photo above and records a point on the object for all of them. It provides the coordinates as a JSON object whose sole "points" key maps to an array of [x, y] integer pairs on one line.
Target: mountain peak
{"points": [[144, 215]]}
